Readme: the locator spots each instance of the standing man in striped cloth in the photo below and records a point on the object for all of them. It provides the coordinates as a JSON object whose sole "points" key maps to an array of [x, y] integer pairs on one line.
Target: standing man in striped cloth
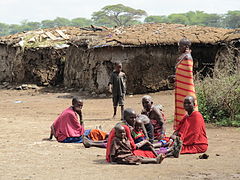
{"points": [[184, 85]]}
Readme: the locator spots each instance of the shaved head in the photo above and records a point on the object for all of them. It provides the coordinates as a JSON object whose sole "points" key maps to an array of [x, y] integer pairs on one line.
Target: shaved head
{"points": [[129, 116], [147, 97], [189, 103], [143, 118], [76, 100], [128, 112], [185, 42], [119, 131], [147, 102], [190, 98], [118, 127]]}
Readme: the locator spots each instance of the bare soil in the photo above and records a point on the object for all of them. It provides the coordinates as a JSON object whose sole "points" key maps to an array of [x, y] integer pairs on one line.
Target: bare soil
{"points": [[26, 116]]}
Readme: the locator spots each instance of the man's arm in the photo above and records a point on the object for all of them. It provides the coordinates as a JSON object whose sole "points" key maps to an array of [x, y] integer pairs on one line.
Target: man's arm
{"points": [[81, 117], [110, 84], [145, 131], [142, 143], [160, 120]]}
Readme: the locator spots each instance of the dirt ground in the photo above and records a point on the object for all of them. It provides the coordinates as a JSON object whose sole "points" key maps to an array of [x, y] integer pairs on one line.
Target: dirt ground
{"points": [[26, 116]]}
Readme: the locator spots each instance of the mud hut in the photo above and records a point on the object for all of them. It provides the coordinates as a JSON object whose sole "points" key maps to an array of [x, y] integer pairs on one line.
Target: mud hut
{"points": [[35, 56], [148, 53], [83, 57]]}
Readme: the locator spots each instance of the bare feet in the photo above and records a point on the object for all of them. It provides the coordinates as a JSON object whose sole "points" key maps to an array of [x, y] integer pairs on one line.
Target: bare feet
{"points": [[160, 158], [86, 142], [47, 139], [177, 147]]}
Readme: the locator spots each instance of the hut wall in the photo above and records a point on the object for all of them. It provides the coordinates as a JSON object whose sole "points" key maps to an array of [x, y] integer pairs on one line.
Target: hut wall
{"points": [[11, 68], [38, 65], [147, 68], [44, 65]]}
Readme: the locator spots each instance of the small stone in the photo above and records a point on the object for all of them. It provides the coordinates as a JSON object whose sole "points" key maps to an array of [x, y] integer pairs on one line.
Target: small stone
{"points": [[24, 86], [29, 86], [35, 87], [93, 93], [45, 84], [5, 84], [102, 95], [18, 88], [204, 156], [32, 40]]}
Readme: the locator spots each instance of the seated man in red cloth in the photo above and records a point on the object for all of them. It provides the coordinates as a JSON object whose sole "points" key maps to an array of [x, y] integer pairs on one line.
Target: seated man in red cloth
{"points": [[129, 116], [191, 130], [69, 128]]}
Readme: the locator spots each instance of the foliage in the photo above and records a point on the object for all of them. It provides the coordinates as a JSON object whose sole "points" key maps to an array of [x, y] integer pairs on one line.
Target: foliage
{"points": [[189, 18], [156, 19], [120, 15], [232, 19], [219, 95], [117, 15]]}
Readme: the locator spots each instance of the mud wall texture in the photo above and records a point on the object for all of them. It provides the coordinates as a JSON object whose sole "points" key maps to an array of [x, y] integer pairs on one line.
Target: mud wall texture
{"points": [[38, 66], [10, 63], [147, 68], [44, 66]]}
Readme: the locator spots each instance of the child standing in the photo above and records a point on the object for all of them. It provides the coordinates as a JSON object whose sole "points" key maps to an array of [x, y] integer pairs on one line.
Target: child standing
{"points": [[117, 86]]}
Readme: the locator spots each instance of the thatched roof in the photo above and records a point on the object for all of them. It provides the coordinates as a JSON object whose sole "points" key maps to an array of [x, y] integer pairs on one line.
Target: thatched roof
{"points": [[137, 35]]}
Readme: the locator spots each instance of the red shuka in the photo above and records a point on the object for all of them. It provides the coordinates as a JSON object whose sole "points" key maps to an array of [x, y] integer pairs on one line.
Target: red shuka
{"points": [[192, 132], [138, 152], [112, 135]]}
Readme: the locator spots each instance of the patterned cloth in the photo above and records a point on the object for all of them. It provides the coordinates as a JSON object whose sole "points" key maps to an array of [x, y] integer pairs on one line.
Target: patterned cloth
{"points": [[184, 85]]}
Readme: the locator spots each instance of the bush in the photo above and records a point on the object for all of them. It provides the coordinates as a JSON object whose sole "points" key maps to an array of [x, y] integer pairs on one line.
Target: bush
{"points": [[219, 95]]}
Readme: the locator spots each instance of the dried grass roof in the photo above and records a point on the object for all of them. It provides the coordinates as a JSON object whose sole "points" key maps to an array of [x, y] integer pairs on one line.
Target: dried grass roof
{"points": [[137, 35]]}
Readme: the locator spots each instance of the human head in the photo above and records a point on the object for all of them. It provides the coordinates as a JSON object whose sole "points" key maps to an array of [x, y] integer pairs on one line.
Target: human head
{"points": [[143, 118], [129, 115], [147, 102], [138, 124], [120, 131], [118, 66], [183, 45], [189, 103], [77, 104]]}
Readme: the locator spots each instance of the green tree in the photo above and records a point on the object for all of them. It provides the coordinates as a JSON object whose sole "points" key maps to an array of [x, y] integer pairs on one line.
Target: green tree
{"points": [[203, 19], [81, 22], [156, 19], [14, 28], [47, 23], [232, 19], [4, 29], [59, 21], [117, 15], [178, 19]]}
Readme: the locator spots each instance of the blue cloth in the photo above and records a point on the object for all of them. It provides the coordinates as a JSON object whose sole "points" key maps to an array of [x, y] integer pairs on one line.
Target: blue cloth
{"points": [[76, 139], [73, 140]]}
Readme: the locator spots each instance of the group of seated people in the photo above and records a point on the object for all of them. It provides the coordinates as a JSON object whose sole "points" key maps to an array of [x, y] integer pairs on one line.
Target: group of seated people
{"points": [[137, 138]]}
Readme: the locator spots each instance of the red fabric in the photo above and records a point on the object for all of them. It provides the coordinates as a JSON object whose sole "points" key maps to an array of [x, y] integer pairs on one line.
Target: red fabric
{"points": [[112, 135], [193, 149], [142, 153], [67, 125], [192, 132]]}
